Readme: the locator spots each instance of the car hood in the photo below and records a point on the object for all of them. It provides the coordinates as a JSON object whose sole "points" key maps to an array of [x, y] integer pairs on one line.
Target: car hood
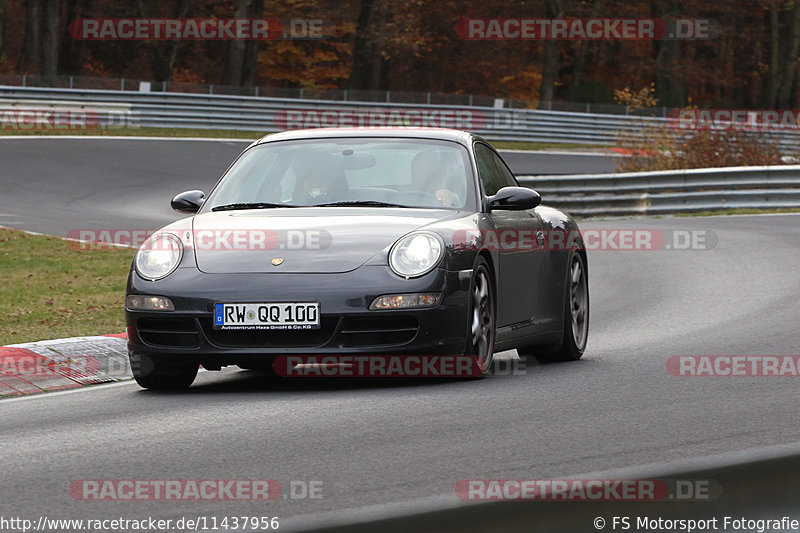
{"points": [[301, 240]]}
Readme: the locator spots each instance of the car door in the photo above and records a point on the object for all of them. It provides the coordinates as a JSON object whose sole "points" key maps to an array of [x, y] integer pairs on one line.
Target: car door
{"points": [[515, 238]]}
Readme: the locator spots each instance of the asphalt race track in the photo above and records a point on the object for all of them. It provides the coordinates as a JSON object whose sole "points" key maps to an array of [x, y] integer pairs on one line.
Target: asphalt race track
{"points": [[388, 442], [55, 186]]}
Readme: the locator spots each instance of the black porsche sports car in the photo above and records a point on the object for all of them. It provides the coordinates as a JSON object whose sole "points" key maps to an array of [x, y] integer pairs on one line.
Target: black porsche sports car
{"points": [[357, 242]]}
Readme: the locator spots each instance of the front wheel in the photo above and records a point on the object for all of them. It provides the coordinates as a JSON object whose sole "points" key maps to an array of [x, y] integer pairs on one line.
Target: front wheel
{"points": [[162, 374], [576, 314], [481, 332]]}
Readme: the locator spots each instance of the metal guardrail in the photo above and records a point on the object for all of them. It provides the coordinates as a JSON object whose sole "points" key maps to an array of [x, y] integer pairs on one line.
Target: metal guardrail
{"points": [[333, 95], [184, 110], [671, 191], [203, 111]]}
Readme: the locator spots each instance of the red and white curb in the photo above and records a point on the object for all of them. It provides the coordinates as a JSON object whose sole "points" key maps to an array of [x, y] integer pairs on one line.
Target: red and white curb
{"points": [[62, 364]]}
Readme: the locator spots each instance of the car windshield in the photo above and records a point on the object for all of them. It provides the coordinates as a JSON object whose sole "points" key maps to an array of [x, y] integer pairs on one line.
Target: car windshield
{"points": [[347, 172]]}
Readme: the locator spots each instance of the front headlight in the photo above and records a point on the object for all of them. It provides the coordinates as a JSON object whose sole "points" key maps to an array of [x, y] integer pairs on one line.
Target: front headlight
{"points": [[416, 254], [158, 256]]}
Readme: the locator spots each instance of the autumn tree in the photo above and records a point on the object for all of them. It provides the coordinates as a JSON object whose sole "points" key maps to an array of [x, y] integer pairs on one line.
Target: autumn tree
{"points": [[368, 61], [243, 54], [2, 26], [30, 59], [50, 23], [784, 45], [412, 46]]}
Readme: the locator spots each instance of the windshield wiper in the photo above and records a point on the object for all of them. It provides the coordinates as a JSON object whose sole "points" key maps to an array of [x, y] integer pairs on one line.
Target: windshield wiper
{"points": [[360, 203], [243, 205]]}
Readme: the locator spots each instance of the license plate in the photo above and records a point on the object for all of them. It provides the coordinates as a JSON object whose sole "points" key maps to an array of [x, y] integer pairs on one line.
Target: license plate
{"points": [[283, 315]]}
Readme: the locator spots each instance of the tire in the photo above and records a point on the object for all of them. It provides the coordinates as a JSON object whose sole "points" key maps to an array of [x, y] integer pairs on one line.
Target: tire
{"points": [[481, 326], [161, 374], [576, 314]]}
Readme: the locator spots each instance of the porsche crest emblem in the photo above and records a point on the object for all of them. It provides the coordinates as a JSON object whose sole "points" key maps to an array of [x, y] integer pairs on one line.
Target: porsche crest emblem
{"points": [[278, 261]]}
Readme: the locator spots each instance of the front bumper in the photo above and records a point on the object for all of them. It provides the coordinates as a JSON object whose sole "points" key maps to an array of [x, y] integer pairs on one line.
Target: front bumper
{"points": [[347, 324]]}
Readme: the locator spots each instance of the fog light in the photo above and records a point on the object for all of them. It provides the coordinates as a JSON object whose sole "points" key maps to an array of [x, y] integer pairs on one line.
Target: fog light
{"points": [[406, 301], [149, 303]]}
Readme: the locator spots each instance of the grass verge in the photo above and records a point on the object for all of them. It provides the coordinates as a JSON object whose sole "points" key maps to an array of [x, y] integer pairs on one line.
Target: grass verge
{"points": [[52, 290]]}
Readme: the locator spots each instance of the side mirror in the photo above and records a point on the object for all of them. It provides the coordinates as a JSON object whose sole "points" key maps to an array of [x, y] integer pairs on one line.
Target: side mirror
{"points": [[515, 198], [188, 202]]}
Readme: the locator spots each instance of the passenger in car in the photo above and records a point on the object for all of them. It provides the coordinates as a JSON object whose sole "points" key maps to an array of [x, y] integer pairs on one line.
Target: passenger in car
{"points": [[428, 174]]}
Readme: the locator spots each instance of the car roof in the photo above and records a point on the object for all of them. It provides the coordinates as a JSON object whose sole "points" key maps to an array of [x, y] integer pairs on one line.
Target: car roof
{"points": [[444, 134]]}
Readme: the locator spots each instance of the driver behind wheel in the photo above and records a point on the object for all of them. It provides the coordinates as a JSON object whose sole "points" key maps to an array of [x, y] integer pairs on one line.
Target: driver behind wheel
{"points": [[428, 175], [319, 180]]}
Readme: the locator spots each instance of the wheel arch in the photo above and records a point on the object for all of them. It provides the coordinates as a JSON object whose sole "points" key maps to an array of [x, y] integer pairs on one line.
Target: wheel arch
{"points": [[490, 263]]}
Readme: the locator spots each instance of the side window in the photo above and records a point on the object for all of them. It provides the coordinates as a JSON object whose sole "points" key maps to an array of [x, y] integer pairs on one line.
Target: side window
{"points": [[506, 177], [487, 169]]}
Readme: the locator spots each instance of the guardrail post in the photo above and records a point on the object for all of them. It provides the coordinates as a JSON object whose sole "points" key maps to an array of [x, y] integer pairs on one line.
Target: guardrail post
{"points": [[429, 98], [344, 95], [70, 82], [24, 80], [122, 84], [470, 99], [211, 89], [387, 97], [301, 93]]}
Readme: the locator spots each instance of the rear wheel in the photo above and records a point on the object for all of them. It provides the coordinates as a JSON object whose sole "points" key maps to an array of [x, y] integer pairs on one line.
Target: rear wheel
{"points": [[481, 332], [162, 374], [576, 314]]}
